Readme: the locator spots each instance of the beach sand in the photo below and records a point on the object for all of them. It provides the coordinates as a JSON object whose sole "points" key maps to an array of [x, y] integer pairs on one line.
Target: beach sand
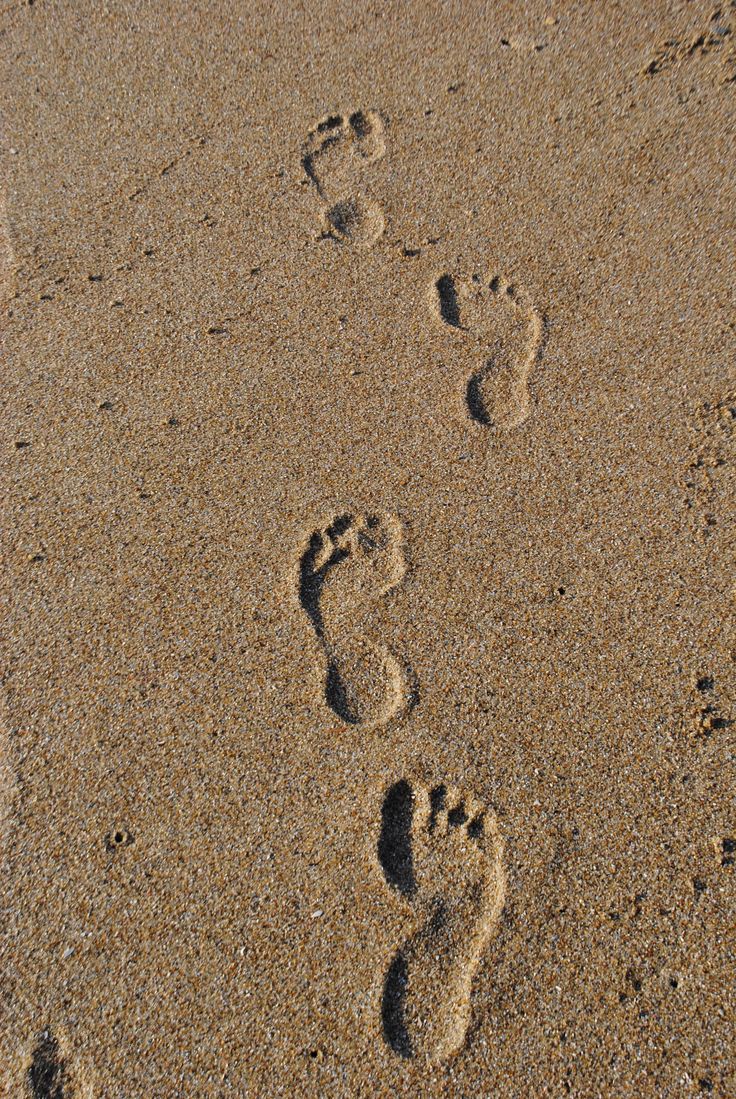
{"points": [[369, 647]]}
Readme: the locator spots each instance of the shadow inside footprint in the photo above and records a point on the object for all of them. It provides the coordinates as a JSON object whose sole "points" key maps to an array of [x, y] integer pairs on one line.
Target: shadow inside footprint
{"points": [[312, 577], [393, 1007], [474, 401], [394, 1013], [394, 842], [46, 1074], [338, 696], [447, 302]]}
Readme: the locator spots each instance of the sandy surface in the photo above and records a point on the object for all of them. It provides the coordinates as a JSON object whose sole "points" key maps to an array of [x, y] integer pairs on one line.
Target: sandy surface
{"points": [[369, 648]]}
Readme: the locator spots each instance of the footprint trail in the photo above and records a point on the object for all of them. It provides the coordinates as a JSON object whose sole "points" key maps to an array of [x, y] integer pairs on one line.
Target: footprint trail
{"points": [[500, 326], [343, 571], [443, 854]]}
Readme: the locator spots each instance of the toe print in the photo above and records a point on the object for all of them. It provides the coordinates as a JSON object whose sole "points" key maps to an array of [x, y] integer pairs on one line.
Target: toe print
{"points": [[500, 326], [344, 569], [339, 147], [336, 154], [442, 853]]}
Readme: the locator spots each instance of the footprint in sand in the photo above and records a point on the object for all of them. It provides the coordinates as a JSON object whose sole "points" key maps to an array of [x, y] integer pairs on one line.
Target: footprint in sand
{"points": [[47, 1078], [335, 155], [50, 1075], [443, 854], [502, 328], [345, 567]]}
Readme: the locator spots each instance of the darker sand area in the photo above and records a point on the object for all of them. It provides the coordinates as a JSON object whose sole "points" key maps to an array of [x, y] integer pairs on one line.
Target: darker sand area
{"points": [[369, 632]]}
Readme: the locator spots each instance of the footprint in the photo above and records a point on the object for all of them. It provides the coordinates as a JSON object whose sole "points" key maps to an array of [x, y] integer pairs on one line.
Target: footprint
{"points": [[710, 39], [498, 321], [52, 1073], [47, 1078], [443, 854], [343, 569], [335, 155]]}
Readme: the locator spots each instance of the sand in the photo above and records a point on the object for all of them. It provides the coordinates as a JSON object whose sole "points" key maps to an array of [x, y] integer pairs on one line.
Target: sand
{"points": [[369, 648]]}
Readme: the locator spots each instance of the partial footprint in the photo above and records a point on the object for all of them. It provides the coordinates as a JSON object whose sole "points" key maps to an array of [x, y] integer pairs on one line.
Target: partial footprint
{"points": [[335, 155], [504, 330], [49, 1074], [344, 569], [443, 854], [338, 148], [355, 220]]}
